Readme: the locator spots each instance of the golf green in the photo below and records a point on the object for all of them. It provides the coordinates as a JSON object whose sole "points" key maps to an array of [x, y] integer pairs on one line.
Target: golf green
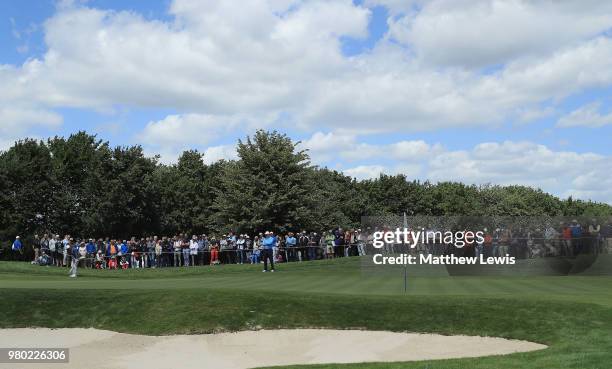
{"points": [[570, 314]]}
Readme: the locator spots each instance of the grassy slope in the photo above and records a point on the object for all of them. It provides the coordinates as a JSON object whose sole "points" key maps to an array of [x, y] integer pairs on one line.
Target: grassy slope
{"points": [[571, 314]]}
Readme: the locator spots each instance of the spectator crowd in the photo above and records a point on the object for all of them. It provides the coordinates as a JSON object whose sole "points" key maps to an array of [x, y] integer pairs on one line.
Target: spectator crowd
{"points": [[183, 251], [566, 239]]}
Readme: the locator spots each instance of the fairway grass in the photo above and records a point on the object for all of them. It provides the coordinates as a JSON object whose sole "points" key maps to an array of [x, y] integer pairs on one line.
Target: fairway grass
{"points": [[571, 314]]}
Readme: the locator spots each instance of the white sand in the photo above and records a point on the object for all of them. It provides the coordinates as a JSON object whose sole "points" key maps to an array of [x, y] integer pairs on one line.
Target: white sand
{"points": [[93, 348]]}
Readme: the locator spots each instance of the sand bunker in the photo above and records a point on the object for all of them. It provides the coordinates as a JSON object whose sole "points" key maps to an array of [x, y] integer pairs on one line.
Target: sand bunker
{"points": [[93, 348]]}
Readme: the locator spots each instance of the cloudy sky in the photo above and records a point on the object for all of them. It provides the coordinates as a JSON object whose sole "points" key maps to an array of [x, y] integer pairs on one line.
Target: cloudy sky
{"points": [[506, 92]]}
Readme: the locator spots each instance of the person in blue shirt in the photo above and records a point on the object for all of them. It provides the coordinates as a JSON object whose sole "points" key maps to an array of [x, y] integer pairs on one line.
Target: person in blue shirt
{"points": [[91, 253], [124, 248], [17, 247], [291, 243], [577, 240], [269, 242]]}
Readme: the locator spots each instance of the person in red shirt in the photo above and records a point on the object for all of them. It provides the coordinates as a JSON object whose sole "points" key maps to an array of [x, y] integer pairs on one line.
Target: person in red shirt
{"points": [[566, 236], [214, 252]]}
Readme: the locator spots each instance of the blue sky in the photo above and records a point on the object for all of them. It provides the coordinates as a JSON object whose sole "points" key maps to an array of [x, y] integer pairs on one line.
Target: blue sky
{"points": [[507, 92]]}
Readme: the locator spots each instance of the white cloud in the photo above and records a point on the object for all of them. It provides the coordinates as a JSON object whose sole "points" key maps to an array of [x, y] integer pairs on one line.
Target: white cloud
{"points": [[586, 116], [326, 146], [187, 129], [564, 173], [491, 32], [284, 58], [229, 66], [222, 152], [365, 171]]}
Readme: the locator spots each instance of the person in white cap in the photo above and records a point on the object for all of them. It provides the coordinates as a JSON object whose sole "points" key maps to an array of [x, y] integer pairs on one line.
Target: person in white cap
{"points": [[17, 247]]}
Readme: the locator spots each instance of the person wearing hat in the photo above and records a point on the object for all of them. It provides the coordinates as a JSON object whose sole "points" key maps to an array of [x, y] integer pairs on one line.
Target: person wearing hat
{"points": [[267, 254], [248, 247], [240, 250], [193, 249], [17, 248]]}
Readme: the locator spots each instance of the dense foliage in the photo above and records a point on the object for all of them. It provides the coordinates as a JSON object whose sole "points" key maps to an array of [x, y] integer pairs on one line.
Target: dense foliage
{"points": [[82, 186]]}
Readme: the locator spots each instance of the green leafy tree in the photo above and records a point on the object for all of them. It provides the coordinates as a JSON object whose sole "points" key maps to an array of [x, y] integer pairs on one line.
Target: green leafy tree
{"points": [[80, 164], [268, 188], [26, 189]]}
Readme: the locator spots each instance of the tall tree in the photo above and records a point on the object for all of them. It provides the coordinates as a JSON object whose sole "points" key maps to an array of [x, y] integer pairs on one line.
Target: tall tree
{"points": [[27, 181], [267, 188], [80, 164]]}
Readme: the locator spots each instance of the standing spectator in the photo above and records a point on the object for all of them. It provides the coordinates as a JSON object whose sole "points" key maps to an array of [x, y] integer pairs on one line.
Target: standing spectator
{"points": [[329, 245], [52, 250], [193, 249], [248, 247], [90, 249], [104, 245], [240, 257], [566, 236], [595, 233], [111, 253], [158, 253], [66, 250], [176, 245], [17, 248], [504, 242], [304, 244], [607, 235], [151, 251], [36, 246], [256, 250], [348, 236], [231, 241], [281, 249], [269, 243], [338, 243], [141, 247], [275, 247], [293, 253], [185, 248], [59, 251], [214, 251], [135, 253], [361, 242], [224, 250], [203, 249], [576, 231], [167, 249], [44, 248], [314, 246], [123, 248], [550, 237]]}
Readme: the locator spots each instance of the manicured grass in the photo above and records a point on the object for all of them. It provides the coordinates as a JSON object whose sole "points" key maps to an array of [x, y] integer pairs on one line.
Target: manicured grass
{"points": [[573, 315]]}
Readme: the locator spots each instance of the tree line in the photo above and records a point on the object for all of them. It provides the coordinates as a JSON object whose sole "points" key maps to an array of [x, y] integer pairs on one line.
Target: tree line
{"points": [[82, 186]]}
